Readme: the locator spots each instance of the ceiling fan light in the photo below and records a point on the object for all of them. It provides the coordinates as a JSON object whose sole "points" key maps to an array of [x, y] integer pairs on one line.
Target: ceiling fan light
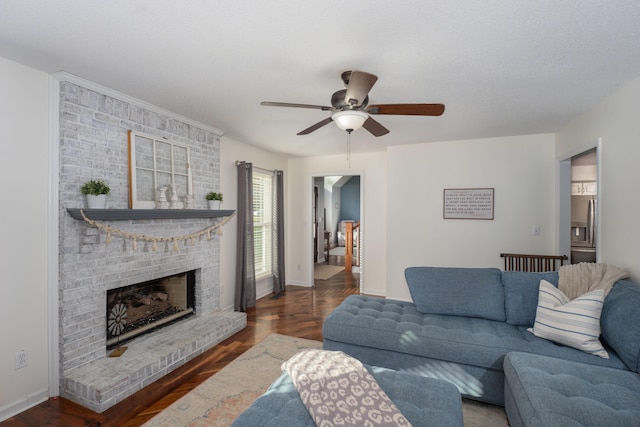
{"points": [[349, 119]]}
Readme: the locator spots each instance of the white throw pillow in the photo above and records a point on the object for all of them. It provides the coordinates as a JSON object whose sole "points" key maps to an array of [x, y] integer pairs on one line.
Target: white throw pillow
{"points": [[574, 323]]}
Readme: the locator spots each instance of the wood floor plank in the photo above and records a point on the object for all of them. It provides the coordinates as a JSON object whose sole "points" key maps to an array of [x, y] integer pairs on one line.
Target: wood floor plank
{"points": [[300, 312]]}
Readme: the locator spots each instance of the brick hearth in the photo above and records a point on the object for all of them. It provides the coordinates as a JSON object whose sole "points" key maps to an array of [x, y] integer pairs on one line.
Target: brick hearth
{"points": [[104, 382]]}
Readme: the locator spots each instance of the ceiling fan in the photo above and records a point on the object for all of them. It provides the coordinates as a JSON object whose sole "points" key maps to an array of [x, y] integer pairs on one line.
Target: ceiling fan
{"points": [[351, 109]]}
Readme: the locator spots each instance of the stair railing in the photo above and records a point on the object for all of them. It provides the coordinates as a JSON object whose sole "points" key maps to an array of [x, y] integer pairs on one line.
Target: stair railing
{"points": [[535, 263], [348, 260]]}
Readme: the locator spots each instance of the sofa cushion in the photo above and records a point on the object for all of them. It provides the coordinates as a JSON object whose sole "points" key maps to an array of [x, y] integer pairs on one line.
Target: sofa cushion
{"points": [[575, 323], [469, 292], [386, 324], [521, 294], [620, 322], [548, 392]]}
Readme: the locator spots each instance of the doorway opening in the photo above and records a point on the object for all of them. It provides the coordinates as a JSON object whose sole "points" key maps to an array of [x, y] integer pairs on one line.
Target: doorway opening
{"points": [[579, 211], [337, 205], [584, 202]]}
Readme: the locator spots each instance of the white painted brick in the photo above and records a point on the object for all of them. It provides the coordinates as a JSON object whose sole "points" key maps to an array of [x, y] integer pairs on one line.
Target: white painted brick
{"points": [[94, 145]]}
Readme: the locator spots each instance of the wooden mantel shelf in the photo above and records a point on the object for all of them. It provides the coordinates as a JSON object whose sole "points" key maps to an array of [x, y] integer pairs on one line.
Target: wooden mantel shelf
{"points": [[142, 214]]}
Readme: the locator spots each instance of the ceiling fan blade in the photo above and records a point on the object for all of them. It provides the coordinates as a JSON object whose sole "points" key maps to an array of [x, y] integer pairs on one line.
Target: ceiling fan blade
{"points": [[407, 109], [289, 104], [374, 127], [360, 83], [316, 126]]}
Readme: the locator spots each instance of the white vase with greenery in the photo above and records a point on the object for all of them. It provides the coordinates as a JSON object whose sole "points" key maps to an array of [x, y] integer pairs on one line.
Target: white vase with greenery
{"points": [[214, 200], [96, 192]]}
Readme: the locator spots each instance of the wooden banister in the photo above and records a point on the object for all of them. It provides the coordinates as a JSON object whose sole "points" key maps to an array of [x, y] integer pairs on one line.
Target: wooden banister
{"points": [[533, 263], [348, 245]]}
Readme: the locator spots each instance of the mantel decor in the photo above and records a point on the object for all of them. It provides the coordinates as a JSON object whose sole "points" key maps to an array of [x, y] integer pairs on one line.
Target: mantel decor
{"points": [[155, 166], [96, 192], [214, 199], [115, 325], [468, 203], [154, 240]]}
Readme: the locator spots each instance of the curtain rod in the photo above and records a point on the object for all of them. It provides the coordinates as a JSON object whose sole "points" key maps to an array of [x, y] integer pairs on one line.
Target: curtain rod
{"points": [[238, 163]]}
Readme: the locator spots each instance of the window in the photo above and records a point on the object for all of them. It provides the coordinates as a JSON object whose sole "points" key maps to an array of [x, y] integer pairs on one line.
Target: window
{"points": [[262, 222]]}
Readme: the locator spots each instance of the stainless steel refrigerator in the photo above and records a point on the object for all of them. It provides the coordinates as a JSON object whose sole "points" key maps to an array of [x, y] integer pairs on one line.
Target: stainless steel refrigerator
{"points": [[583, 229]]}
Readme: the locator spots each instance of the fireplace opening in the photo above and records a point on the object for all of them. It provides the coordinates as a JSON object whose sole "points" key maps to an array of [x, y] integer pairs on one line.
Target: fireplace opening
{"points": [[143, 307]]}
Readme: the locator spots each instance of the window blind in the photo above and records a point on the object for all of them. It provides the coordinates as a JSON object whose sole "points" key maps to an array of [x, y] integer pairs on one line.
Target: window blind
{"points": [[262, 222]]}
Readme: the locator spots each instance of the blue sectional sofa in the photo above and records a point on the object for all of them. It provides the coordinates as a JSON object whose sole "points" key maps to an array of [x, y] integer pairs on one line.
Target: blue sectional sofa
{"points": [[464, 321]]}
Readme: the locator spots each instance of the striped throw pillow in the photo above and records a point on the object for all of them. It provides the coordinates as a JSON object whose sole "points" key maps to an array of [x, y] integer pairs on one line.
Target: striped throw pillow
{"points": [[574, 323]]}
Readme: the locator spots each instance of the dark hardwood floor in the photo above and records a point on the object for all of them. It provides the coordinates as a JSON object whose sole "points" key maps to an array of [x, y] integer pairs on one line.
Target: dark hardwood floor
{"points": [[299, 312]]}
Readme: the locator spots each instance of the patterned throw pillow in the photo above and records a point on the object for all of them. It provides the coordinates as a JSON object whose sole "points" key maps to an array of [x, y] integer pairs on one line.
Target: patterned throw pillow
{"points": [[574, 323]]}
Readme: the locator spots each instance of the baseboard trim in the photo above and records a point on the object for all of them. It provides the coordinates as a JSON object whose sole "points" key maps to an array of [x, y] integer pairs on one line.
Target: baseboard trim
{"points": [[374, 293], [264, 293], [299, 283], [21, 405]]}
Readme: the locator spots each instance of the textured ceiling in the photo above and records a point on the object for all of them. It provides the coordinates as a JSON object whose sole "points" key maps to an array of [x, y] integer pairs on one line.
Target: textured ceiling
{"points": [[501, 67]]}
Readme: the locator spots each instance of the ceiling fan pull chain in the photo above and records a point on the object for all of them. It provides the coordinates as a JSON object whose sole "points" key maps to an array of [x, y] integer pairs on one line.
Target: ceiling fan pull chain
{"points": [[349, 148]]}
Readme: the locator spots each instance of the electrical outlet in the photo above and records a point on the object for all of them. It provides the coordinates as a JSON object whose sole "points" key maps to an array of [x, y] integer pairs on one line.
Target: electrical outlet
{"points": [[20, 359]]}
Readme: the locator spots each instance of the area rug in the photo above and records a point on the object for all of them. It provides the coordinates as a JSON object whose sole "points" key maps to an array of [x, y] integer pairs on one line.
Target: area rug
{"points": [[222, 398], [325, 271]]}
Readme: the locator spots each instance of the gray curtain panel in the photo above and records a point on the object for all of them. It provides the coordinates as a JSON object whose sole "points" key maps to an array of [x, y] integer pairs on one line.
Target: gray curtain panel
{"points": [[245, 268], [279, 282]]}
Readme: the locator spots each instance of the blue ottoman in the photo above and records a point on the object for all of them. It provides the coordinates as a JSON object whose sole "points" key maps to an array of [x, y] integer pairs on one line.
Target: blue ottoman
{"points": [[545, 391], [423, 401]]}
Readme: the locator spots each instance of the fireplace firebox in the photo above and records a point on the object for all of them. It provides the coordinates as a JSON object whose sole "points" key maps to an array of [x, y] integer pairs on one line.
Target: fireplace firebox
{"points": [[143, 307]]}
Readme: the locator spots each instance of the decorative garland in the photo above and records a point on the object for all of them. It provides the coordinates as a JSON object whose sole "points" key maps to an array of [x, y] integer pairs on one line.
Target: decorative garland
{"points": [[154, 247]]}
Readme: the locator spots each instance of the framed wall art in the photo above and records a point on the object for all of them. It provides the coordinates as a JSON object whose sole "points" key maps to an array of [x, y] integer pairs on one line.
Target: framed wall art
{"points": [[468, 203]]}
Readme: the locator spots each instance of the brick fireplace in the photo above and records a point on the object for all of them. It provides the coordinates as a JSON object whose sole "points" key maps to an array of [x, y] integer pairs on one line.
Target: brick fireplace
{"points": [[93, 145]]}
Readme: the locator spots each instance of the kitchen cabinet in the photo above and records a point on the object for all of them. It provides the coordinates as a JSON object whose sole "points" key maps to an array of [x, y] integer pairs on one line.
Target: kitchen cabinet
{"points": [[576, 189], [584, 188], [590, 188]]}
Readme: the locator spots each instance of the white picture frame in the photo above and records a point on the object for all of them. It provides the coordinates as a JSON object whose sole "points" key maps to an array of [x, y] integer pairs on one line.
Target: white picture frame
{"points": [[468, 203]]}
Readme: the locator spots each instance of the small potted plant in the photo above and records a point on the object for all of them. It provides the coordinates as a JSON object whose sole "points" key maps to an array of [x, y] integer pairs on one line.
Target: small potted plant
{"points": [[214, 200], [96, 191]]}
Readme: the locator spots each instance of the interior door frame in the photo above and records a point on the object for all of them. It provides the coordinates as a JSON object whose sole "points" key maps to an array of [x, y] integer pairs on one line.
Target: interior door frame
{"points": [[563, 201], [362, 231]]}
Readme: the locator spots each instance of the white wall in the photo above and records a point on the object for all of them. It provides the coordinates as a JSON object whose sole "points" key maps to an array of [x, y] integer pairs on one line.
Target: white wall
{"points": [[24, 120], [230, 151], [615, 119], [373, 170], [521, 171]]}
